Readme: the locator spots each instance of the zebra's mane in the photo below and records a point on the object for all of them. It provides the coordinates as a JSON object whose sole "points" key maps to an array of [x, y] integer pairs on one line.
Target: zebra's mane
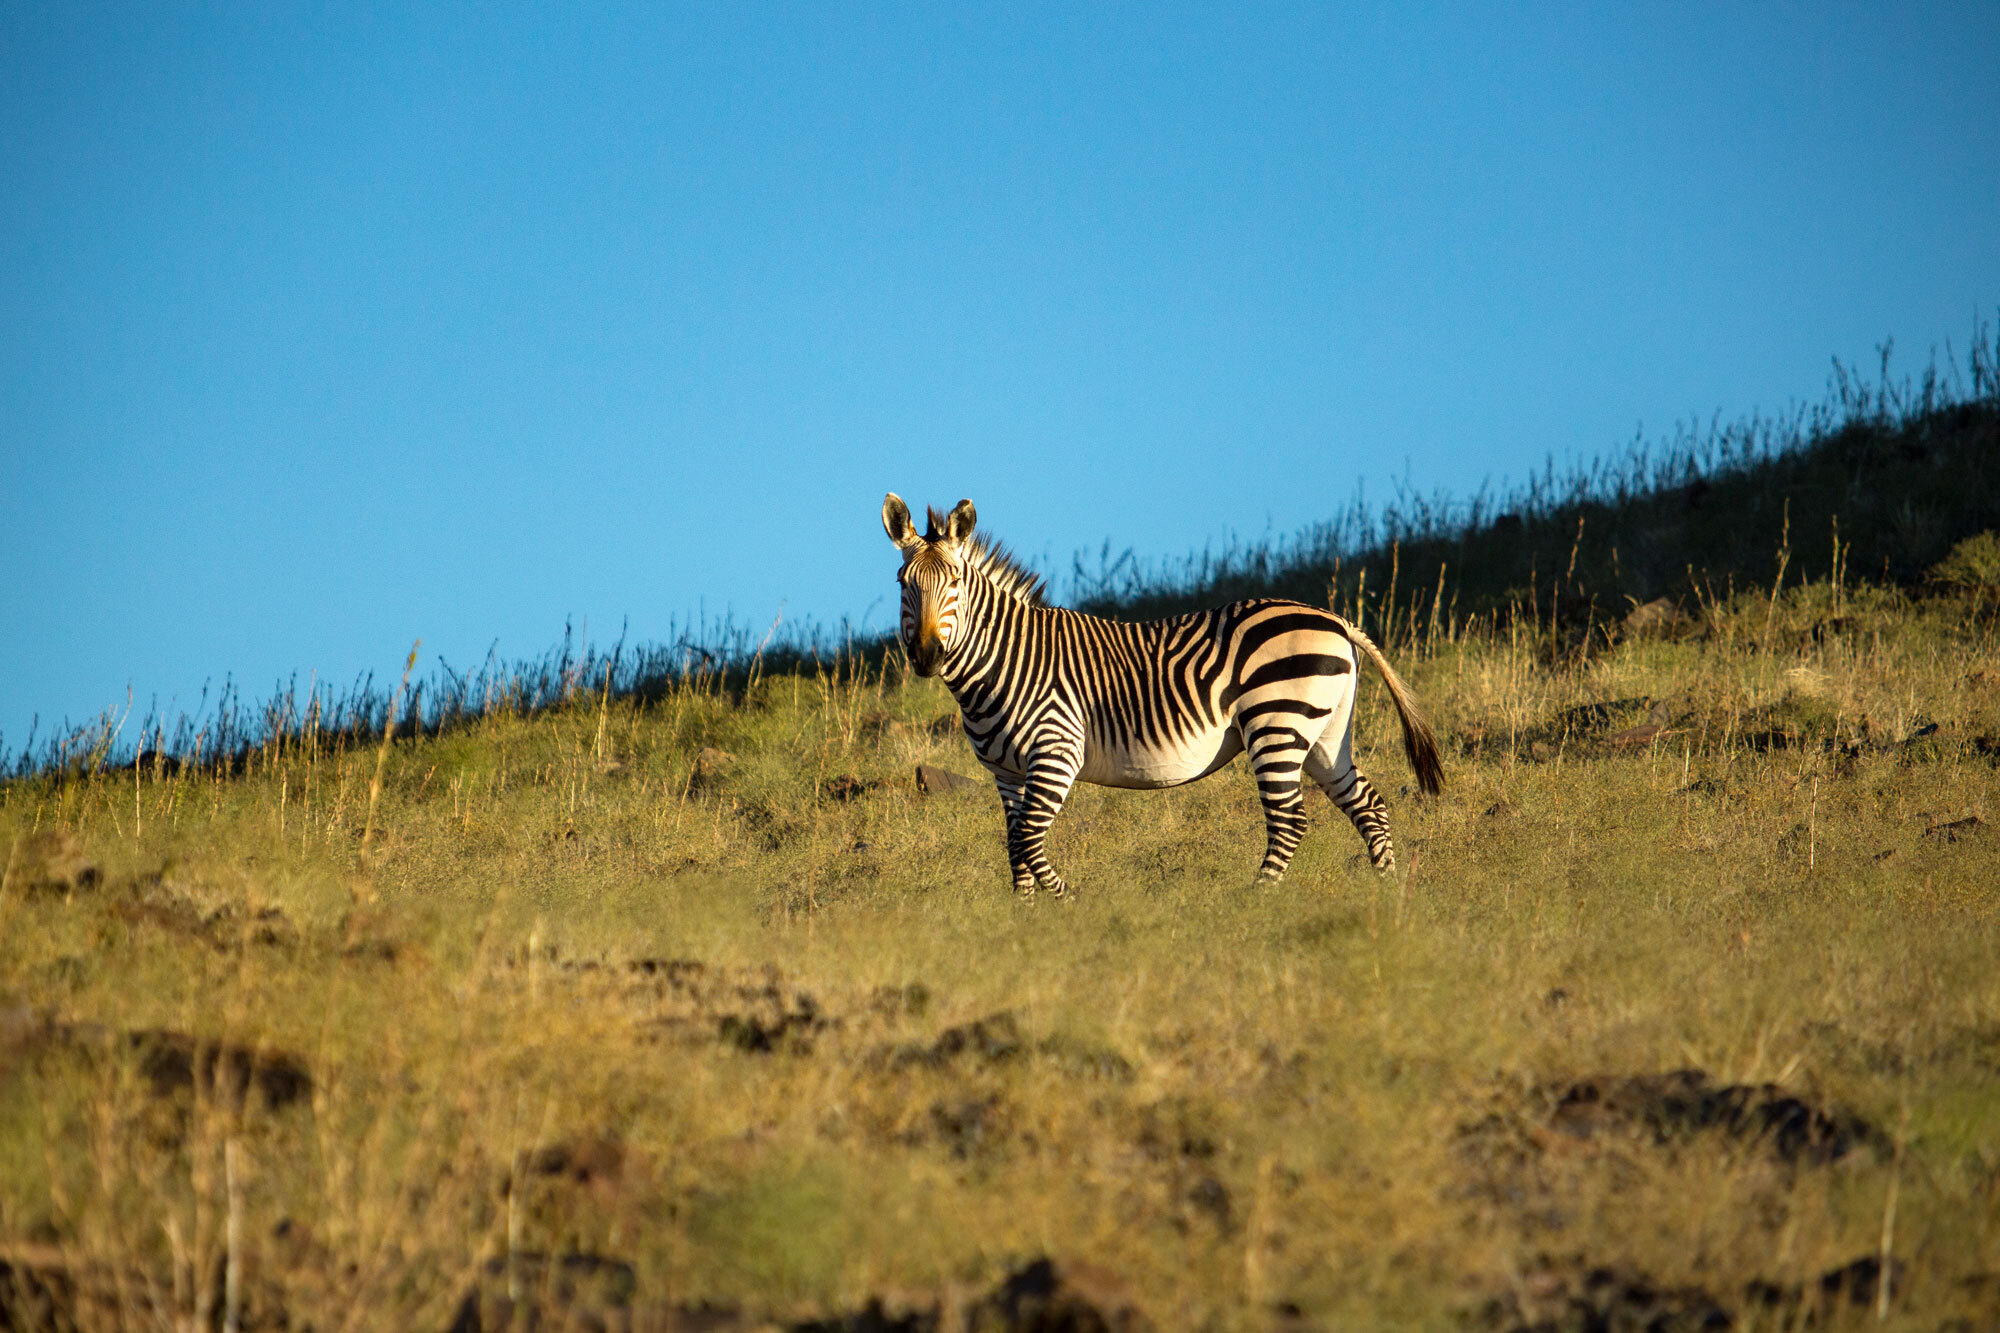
{"points": [[997, 565]]}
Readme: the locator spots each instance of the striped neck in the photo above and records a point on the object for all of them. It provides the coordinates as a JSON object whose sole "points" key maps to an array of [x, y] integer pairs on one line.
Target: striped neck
{"points": [[984, 613]]}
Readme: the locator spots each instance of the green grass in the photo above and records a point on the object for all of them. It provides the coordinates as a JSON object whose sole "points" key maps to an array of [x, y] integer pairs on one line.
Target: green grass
{"points": [[781, 1045]]}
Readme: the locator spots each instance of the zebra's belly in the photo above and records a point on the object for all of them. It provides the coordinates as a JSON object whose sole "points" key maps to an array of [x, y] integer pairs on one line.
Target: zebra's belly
{"points": [[1164, 766]]}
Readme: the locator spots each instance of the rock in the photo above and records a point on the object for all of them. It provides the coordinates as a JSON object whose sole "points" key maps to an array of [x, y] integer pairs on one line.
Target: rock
{"points": [[935, 781], [1661, 616], [1633, 738], [1956, 829], [710, 764]]}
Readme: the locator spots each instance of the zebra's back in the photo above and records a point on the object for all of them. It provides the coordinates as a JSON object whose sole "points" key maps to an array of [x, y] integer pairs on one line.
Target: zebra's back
{"points": [[1168, 701]]}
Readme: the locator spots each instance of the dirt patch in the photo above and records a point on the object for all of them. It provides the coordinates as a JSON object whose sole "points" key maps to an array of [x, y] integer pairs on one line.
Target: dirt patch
{"points": [[892, 1002], [756, 1010], [170, 1062], [1173, 1128], [1856, 1283], [1673, 1107], [791, 1029], [997, 1039], [175, 1062], [1557, 1298], [1609, 725], [37, 1290], [846, 787], [526, 1290], [1560, 1295], [965, 1126], [1050, 1297], [52, 862], [225, 926], [600, 1165], [597, 1291], [989, 1041], [1524, 1155]]}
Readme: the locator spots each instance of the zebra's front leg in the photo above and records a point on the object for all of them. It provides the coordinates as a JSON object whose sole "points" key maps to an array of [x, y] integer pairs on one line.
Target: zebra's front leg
{"points": [[1275, 759], [1011, 788], [1043, 792]]}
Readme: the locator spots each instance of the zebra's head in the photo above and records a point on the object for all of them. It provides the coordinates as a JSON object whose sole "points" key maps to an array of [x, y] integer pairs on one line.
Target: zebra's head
{"points": [[933, 578]]}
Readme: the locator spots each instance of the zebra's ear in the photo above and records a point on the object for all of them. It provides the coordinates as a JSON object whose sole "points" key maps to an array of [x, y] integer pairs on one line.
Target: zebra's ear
{"points": [[896, 522], [959, 526]]}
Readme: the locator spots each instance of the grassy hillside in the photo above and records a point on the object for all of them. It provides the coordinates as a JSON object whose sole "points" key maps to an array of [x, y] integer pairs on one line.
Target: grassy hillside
{"points": [[692, 1010], [652, 990]]}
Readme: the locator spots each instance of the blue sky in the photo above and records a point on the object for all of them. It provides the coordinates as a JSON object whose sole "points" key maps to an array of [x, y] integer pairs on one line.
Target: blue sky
{"points": [[323, 328]]}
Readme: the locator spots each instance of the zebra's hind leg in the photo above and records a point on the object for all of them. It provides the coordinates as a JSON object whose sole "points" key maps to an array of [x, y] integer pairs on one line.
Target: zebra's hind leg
{"points": [[1274, 759], [1042, 795], [1349, 789]]}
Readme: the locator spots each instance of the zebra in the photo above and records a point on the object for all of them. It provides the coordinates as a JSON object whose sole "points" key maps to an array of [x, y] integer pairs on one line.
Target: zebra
{"points": [[1050, 697]]}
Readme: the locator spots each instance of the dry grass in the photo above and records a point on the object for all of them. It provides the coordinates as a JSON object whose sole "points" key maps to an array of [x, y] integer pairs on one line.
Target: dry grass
{"points": [[703, 988]]}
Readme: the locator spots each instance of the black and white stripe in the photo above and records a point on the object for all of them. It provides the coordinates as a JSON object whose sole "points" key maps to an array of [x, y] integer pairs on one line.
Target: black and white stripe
{"points": [[1050, 697]]}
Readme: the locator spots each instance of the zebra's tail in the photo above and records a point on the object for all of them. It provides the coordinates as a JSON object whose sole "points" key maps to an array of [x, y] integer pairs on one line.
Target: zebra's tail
{"points": [[1419, 741]]}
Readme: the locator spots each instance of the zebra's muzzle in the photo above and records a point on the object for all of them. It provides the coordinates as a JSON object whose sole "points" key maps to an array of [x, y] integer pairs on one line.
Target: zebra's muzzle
{"points": [[924, 655]]}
